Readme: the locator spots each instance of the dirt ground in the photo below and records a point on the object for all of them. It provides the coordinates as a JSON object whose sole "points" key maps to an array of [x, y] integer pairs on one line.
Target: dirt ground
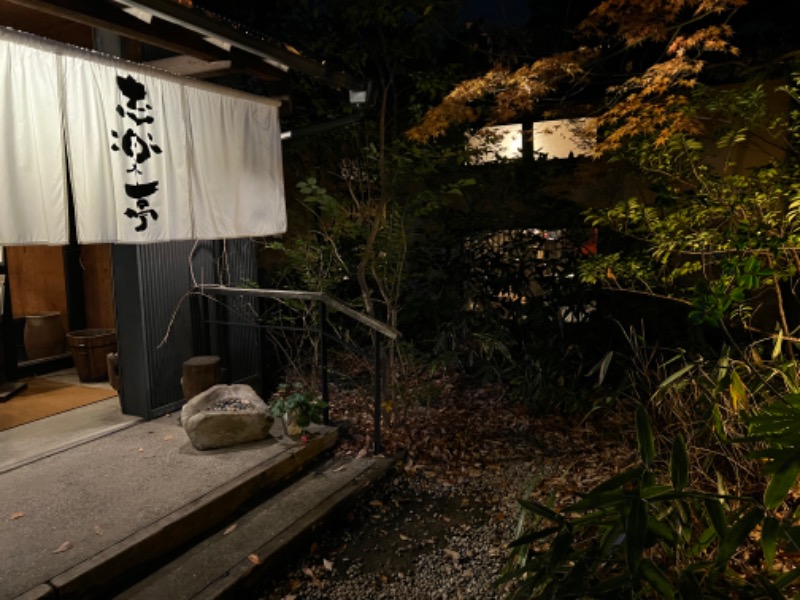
{"points": [[441, 524]]}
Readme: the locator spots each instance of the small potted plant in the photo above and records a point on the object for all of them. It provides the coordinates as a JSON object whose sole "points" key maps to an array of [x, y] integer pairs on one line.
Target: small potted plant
{"points": [[297, 406]]}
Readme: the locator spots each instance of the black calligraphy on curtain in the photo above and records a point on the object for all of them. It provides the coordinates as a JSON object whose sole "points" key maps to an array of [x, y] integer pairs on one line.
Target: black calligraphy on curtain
{"points": [[137, 144]]}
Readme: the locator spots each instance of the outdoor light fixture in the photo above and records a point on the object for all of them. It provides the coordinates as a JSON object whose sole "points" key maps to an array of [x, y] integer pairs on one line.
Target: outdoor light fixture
{"points": [[358, 96]]}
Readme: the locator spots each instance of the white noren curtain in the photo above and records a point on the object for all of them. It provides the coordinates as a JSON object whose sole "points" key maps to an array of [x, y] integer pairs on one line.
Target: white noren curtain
{"points": [[33, 192], [237, 177], [152, 157], [127, 155]]}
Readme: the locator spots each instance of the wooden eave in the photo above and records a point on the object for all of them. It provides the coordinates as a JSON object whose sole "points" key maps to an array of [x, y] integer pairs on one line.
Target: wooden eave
{"points": [[258, 47], [187, 32]]}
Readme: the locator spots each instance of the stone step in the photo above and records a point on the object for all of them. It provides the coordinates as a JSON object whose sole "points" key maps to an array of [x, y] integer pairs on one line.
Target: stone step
{"points": [[236, 558], [152, 544]]}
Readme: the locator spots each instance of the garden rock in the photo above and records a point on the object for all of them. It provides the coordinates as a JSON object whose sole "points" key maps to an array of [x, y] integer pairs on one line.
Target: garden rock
{"points": [[226, 415]]}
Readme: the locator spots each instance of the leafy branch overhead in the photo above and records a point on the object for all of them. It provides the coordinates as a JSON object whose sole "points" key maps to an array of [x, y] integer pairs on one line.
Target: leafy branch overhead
{"points": [[680, 34]]}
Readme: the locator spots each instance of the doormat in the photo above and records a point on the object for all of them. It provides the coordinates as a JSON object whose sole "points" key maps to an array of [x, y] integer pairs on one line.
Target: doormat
{"points": [[44, 398]]}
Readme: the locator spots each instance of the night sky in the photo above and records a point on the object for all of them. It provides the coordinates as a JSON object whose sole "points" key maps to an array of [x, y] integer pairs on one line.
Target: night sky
{"points": [[502, 13]]}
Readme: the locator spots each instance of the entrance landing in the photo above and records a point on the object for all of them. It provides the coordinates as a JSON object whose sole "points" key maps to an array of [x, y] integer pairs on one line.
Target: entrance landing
{"points": [[82, 518]]}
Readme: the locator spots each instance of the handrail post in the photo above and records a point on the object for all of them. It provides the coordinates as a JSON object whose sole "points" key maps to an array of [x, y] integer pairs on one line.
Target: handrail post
{"points": [[323, 362], [377, 393]]}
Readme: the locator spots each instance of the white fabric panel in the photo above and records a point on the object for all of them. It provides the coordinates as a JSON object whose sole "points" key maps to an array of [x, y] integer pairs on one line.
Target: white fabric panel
{"points": [[126, 135], [145, 149], [237, 168], [33, 196]]}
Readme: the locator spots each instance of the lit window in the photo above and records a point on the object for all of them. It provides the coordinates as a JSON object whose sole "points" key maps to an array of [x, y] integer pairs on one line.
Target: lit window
{"points": [[564, 138], [491, 144]]}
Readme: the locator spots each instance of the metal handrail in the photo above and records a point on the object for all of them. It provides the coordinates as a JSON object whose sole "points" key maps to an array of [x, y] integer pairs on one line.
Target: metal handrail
{"points": [[325, 301]]}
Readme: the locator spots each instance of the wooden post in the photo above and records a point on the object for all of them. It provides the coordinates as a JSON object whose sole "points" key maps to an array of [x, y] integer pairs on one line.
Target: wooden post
{"points": [[199, 374], [323, 362], [377, 393]]}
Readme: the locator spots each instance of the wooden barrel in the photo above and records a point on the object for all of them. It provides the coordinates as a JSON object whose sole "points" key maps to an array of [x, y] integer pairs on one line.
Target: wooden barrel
{"points": [[89, 348], [43, 335]]}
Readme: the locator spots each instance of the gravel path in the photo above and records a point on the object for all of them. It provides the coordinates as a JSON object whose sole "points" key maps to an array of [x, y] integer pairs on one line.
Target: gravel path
{"points": [[440, 526], [415, 536]]}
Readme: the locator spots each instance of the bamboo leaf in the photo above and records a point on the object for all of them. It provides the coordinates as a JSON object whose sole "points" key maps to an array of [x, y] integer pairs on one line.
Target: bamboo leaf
{"points": [[644, 436], [541, 510], [532, 537], [658, 492], [782, 481], [719, 427], [769, 539], [618, 480], [601, 368], [560, 547], [717, 516], [597, 501], [738, 392], [675, 376], [665, 532], [656, 578], [776, 349], [635, 530], [737, 534], [679, 464], [786, 579]]}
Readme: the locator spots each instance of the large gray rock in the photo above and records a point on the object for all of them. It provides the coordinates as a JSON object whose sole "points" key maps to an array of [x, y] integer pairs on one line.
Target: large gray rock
{"points": [[226, 415]]}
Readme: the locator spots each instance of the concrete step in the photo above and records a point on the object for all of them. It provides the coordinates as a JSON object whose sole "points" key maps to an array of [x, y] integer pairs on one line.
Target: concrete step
{"points": [[97, 566], [236, 558]]}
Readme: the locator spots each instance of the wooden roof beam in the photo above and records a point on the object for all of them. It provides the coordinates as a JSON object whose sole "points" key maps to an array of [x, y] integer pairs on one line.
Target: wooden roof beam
{"points": [[112, 18], [248, 64], [196, 20]]}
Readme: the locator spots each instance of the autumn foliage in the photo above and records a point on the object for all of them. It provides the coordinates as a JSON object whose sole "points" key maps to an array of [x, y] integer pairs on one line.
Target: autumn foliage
{"points": [[681, 34]]}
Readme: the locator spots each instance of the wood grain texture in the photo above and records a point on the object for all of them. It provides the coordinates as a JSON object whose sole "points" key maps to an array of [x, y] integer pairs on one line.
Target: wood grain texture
{"points": [[36, 280]]}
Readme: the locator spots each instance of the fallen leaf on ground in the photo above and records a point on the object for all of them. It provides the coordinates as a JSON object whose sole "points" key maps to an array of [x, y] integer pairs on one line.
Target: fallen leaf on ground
{"points": [[361, 453], [253, 558], [314, 580], [452, 554], [405, 538], [16, 515], [327, 564], [63, 548], [98, 530], [141, 449], [230, 529], [375, 503], [337, 469], [295, 584]]}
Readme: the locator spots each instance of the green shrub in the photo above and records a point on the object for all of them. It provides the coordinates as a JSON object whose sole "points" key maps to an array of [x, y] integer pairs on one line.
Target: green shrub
{"points": [[645, 533]]}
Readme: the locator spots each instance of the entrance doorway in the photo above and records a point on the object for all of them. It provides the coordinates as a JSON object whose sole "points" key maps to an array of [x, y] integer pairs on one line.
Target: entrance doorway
{"points": [[39, 438], [50, 291]]}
